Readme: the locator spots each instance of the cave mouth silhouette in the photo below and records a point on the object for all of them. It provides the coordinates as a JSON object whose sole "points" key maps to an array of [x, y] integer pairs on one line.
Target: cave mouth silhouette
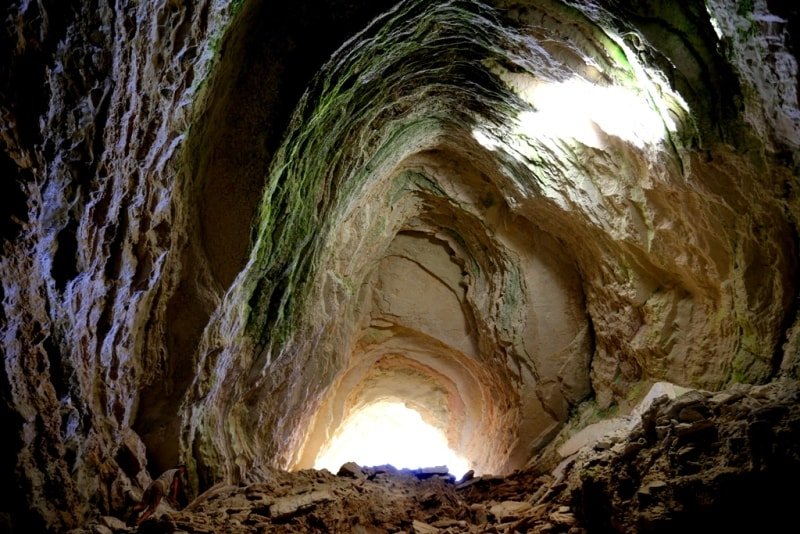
{"points": [[389, 432]]}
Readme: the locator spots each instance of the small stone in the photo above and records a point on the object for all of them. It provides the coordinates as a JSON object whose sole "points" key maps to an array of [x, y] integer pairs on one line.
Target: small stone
{"points": [[633, 447], [509, 510], [423, 528], [560, 518], [478, 513], [690, 398], [760, 392], [287, 507], [430, 499], [685, 453], [724, 397], [603, 445], [539, 493], [690, 415], [351, 470], [449, 522], [429, 472], [113, 523], [647, 488], [468, 483], [687, 429]]}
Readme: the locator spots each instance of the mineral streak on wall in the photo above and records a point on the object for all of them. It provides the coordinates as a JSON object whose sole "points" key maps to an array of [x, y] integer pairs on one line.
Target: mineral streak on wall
{"points": [[234, 224]]}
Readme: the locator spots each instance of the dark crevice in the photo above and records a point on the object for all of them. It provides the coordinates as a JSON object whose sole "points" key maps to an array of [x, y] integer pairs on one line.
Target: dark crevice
{"points": [[65, 261], [144, 267], [57, 375], [23, 70], [157, 417], [15, 210], [792, 312], [114, 260]]}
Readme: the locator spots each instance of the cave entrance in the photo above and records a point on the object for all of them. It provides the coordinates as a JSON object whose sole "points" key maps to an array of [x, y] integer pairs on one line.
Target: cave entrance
{"points": [[389, 432]]}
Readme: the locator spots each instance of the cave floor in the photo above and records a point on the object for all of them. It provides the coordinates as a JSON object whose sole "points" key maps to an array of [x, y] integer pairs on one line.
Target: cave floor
{"points": [[701, 462], [377, 499]]}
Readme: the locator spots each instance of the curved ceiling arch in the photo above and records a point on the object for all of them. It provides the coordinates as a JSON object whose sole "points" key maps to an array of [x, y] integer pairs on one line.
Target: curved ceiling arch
{"points": [[547, 150]]}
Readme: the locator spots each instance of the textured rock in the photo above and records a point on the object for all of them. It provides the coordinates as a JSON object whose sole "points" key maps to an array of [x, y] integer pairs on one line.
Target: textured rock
{"points": [[508, 510], [726, 470], [459, 214], [92, 127]]}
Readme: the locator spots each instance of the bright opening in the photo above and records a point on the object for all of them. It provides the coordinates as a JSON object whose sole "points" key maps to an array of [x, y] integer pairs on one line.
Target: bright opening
{"points": [[577, 109], [388, 432]]}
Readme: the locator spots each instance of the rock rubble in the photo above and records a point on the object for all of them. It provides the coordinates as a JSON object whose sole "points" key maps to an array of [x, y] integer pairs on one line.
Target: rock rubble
{"points": [[701, 462]]}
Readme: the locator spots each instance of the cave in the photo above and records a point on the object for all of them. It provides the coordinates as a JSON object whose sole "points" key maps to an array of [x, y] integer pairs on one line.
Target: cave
{"points": [[551, 245]]}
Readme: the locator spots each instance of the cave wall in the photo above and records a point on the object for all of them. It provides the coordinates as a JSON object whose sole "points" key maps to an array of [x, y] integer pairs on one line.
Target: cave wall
{"points": [[191, 270], [97, 109]]}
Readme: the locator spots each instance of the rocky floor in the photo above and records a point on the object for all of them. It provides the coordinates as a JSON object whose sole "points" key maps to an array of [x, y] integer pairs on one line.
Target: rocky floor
{"points": [[711, 462], [377, 499]]}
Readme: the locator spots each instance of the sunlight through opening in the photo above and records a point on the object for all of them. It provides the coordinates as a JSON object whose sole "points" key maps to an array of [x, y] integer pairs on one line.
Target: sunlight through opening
{"points": [[577, 109], [389, 433]]}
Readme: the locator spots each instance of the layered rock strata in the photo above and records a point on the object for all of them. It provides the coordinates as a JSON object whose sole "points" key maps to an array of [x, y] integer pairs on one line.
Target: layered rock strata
{"points": [[480, 231]]}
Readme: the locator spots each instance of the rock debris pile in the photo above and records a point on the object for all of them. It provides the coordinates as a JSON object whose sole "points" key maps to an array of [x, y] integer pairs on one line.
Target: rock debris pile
{"points": [[370, 499], [705, 462], [698, 462]]}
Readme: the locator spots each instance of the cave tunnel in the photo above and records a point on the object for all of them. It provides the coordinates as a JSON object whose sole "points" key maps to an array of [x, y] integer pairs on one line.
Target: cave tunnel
{"points": [[486, 214], [457, 222]]}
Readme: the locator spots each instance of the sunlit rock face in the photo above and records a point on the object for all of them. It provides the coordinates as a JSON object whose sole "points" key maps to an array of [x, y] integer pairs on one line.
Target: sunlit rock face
{"points": [[486, 211]]}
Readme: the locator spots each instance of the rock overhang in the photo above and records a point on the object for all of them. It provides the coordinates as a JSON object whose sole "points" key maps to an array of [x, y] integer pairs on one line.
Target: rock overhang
{"points": [[514, 192]]}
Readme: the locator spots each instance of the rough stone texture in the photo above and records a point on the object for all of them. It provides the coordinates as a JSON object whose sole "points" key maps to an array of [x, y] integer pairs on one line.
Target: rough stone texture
{"points": [[96, 110], [702, 462], [427, 217], [383, 500], [757, 38], [403, 167]]}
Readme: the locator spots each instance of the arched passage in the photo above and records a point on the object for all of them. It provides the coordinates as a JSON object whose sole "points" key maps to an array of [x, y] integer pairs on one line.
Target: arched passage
{"points": [[500, 206]]}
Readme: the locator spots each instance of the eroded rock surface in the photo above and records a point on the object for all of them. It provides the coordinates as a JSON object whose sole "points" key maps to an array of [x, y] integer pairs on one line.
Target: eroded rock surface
{"points": [[224, 236]]}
